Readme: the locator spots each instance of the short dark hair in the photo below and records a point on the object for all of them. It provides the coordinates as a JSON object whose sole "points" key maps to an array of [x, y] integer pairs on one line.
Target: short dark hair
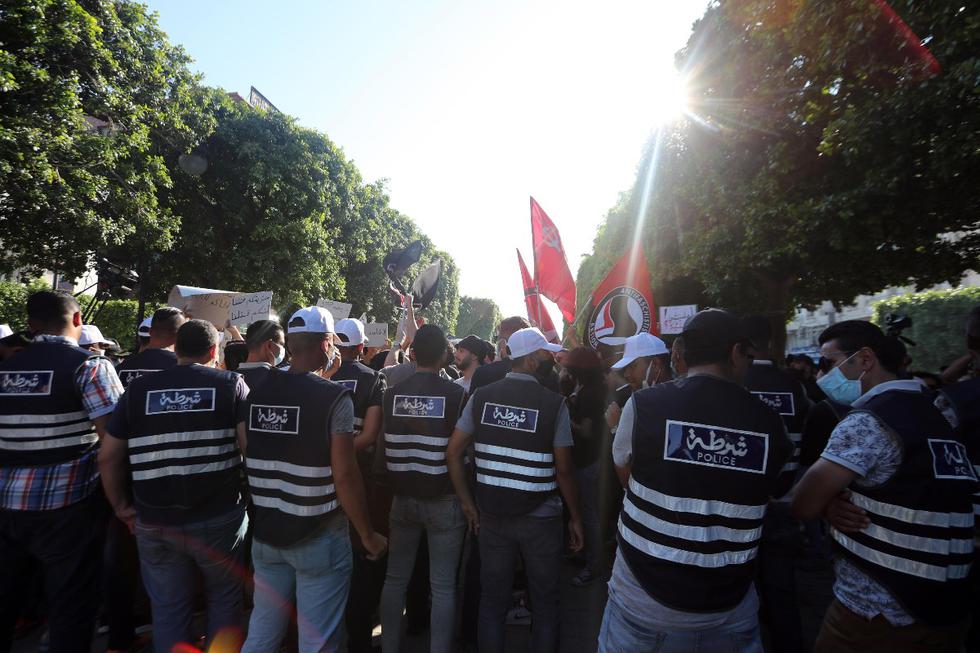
{"points": [[758, 329], [195, 338], [709, 355], [236, 353], [854, 335], [51, 307], [166, 320], [301, 342], [510, 325], [429, 345], [260, 331]]}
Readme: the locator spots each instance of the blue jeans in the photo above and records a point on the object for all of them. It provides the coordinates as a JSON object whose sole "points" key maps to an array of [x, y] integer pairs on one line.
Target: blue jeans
{"points": [[619, 634], [445, 528], [539, 541], [317, 573], [170, 557]]}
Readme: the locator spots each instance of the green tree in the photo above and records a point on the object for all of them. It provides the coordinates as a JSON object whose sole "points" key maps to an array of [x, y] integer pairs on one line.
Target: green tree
{"points": [[479, 316], [89, 90], [822, 162]]}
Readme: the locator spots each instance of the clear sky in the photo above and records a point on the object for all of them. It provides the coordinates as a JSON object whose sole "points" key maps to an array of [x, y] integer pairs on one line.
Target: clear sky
{"points": [[466, 108]]}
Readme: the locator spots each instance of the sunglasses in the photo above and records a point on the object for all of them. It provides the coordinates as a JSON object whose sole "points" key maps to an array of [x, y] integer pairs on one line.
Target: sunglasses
{"points": [[826, 364]]}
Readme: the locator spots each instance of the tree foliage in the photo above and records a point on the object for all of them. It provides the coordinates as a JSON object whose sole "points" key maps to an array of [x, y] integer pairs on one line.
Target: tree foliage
{"points": [[478, 316], [938, 323], [819, 161]]}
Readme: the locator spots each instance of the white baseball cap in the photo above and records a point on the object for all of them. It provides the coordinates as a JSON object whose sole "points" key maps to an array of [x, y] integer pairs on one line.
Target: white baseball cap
{"points": [[351, 331], [640, 346], [311, 319], [527, 341], [144, 329], [5, 330], [91, 335]]}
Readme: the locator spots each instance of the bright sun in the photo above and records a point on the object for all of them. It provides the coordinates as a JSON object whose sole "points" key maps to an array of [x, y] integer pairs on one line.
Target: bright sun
{"points": [[670, 100]]}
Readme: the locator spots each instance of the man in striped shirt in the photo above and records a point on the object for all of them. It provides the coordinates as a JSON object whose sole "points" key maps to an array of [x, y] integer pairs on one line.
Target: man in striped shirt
{"points": [[55, 400]]}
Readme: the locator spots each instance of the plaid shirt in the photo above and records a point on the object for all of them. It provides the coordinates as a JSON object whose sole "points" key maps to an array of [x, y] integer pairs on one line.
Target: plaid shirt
{"points": [[56, 486]]}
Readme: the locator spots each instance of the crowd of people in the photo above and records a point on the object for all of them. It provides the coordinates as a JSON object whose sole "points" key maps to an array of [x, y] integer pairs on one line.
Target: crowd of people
{"points": [[302, 488]]}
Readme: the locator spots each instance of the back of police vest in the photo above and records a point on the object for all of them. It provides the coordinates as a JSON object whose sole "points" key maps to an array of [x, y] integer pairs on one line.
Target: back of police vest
{"points": [[145, 362], [42, 418], [964, 398], [785, 395], [419, 416], [706, 454], [514, 434], [288, 456], [920, 541], [361, 381], [183, 455]]}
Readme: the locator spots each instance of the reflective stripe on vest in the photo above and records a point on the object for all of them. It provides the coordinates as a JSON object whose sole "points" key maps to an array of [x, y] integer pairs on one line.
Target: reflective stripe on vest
{"points": [[318, 485], [680, 556], [696, 506], [59, 431], [536, 479], [179, 447], [909, 541], [428, 461]]}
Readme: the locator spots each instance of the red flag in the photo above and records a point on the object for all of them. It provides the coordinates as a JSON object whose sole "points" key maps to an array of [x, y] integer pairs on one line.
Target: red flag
{"points": [[537, 315], [555, 281], [919, 52], [622, 305]]}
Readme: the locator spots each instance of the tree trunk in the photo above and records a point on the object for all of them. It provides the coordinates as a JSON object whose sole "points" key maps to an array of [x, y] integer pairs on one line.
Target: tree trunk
{"points": [[778, 303]]}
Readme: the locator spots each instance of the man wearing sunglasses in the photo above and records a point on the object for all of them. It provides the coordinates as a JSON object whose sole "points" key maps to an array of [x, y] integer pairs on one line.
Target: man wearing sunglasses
{"points": [[901, 574]]}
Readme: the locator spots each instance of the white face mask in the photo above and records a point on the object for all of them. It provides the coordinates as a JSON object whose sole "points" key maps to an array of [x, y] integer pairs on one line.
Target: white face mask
{"points": [[280, 356]]}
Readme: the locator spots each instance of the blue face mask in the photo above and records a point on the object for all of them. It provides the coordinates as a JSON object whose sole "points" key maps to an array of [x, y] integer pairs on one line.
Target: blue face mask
{"points": [[838, 387]]}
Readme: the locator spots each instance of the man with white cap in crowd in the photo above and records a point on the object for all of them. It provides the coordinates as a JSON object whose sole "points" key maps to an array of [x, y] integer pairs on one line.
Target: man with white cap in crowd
{"points": [[298, 432], [159, 351], [143, 334], [645, 362], [523, 443], [368, 388], [93, 340]]}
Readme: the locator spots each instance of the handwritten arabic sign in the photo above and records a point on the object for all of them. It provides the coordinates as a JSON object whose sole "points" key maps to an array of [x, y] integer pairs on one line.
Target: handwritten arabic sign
{"points": [[221, 306], [672, 318], [781, 402], [949, 460], [339, 310], [274, 419], [715, 446], [184, 400], [514, 418], [249, 307], [415, 406], [376, 333], [26, 383]]}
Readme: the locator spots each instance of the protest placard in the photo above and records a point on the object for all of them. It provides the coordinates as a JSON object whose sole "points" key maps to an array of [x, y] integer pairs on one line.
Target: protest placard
{"points": [[376, 333], [249, 307], [339, 310], [672, 318], [221, 306]]}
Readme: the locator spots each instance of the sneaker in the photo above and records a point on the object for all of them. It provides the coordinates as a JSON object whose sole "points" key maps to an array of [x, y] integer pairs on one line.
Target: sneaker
{"points": [[584, 578]]}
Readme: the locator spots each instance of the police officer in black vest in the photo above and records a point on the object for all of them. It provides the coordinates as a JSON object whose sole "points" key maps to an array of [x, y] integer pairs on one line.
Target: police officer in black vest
{"points": [[266, 344], [158, 353], [902, 578], [298, 429], [171, 467], [701, 457], [419, 416], [55, 401], [368, 387], [523, 446], [781, 543]]}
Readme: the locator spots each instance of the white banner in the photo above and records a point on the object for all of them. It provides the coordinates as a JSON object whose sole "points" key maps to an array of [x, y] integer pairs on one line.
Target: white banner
{"points": [[250, 307], [339, 310], [377, 334], [672, 318], [219, 307]]}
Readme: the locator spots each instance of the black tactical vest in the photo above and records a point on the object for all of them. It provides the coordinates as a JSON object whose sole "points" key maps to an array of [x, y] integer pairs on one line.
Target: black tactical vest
{"points": [[920, 541], [146, 362], [42, 418], [419, 416], [964, 397], [361, 380], [288, 455], [706, 454], [183, 455], [785, 395], [514, 434]]}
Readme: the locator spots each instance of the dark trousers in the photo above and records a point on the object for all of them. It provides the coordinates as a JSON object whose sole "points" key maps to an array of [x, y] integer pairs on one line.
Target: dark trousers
{"points": [[539, 541], [367, 580], [778, 551], [121, 585], [67, 544]]}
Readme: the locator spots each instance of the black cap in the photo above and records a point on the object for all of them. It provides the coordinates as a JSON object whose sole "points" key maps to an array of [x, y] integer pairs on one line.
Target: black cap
{"points": [[713, 328], [474, 345]]}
